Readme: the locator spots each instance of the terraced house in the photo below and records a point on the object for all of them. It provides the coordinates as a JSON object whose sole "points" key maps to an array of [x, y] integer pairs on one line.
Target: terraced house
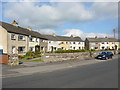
{"points": [[15, 39], [18, 40], [64, 42], [101, 43]]}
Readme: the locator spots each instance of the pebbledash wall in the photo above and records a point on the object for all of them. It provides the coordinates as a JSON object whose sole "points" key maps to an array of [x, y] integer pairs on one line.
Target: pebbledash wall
{"points": [[3, 40]]}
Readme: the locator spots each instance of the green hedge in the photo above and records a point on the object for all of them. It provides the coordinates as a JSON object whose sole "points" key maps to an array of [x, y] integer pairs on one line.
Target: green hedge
{"points": [[30, 55], [69, 51]]}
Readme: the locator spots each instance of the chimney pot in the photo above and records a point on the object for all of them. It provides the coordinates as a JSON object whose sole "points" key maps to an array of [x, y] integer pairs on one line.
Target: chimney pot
{"points": [[14, 23]]}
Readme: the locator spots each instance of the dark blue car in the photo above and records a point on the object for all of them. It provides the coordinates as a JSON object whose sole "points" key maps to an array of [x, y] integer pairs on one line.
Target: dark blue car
{"points": [[104, 55]]}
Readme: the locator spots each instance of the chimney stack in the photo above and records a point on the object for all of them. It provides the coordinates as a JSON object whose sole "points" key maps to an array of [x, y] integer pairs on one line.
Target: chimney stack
{"points": [[71, 35], [29, 28], [95, 36], [54, 34], [14, 23]]}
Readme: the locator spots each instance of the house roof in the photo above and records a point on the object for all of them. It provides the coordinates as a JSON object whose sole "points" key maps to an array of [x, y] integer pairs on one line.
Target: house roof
{"points": [[102, 39], [19, 30], [62, 38]]}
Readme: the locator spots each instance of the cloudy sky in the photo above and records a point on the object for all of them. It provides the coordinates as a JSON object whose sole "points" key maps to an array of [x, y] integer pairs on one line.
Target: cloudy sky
{"points": [[84, 19]]}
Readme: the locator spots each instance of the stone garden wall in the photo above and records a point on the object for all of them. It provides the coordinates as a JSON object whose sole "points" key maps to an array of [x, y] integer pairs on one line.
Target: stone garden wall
{"points": [[54, 57]]}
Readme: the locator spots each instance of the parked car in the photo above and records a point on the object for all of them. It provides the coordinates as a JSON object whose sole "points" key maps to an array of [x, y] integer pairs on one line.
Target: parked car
{"points": [[110, 53], [104, 55]]}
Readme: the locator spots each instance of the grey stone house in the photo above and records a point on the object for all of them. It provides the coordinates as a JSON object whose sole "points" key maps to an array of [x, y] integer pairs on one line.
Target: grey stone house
{"points": [[101, 43]]}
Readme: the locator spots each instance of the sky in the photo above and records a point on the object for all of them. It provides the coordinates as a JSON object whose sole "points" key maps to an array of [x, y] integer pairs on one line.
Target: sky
{"points": [[83, 19]]}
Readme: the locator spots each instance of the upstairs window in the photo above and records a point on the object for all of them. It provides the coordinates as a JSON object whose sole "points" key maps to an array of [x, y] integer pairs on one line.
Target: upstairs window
{"points": [[79, 43], [31, 39], [12, 36], [62, 42], [107, 42], [102, 42], [37, 39], [73, 42], [21, 38]]}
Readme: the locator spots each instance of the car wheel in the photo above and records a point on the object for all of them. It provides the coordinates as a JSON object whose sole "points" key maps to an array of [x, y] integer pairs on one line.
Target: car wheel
{"points": [[106, 58], [111, 57]]}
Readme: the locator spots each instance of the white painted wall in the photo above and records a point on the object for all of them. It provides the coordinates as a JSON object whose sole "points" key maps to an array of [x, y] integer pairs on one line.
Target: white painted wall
{"points": [[54, 44]]}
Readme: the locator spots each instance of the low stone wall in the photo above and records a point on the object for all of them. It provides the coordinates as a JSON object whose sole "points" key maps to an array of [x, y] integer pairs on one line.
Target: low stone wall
{"points": [[53, 57]]}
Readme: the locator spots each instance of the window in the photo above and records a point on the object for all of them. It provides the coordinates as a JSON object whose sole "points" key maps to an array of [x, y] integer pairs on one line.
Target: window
{"points": [[79, 47], [102, 42], [49, 41], [42, 48], [12, 36], [73, 42], [103, 47], [66, 42], [62, 48], [31, 39], [79, 42], [70, 42], [74, 48], [21, 38], [62, 42], [31, 48], [37, 39], [96, 47], [107, 47], [55, 48], [13, 50], [112, 47], [107, 43], [70, 47], [21, 49]]}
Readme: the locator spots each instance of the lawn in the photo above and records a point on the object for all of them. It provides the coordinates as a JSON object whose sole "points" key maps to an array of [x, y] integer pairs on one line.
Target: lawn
{"points": [[36, 60]]}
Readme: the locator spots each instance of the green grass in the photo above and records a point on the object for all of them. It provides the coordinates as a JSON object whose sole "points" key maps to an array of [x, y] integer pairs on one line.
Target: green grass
{"points": [[36, 60]]}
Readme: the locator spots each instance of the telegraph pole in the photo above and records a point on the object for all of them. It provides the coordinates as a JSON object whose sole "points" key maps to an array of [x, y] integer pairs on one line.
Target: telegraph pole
{"points": [[114, 41]]}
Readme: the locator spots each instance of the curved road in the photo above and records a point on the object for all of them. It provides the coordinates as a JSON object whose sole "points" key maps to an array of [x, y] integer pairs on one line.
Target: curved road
{"points": [[98, 75]]}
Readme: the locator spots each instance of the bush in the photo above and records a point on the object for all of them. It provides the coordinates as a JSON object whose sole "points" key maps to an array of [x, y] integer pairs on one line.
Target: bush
{"points": [[29, 53], [59, 49], [21, 56], [93, 50]]}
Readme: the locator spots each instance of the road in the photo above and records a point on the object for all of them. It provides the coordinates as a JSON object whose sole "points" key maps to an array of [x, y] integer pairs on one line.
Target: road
{"points": [[98, 75]]}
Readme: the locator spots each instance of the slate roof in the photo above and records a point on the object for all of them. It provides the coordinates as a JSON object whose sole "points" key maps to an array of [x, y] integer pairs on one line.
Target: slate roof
{"points": [[19, 30], [62, 38], [102, 39]]}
